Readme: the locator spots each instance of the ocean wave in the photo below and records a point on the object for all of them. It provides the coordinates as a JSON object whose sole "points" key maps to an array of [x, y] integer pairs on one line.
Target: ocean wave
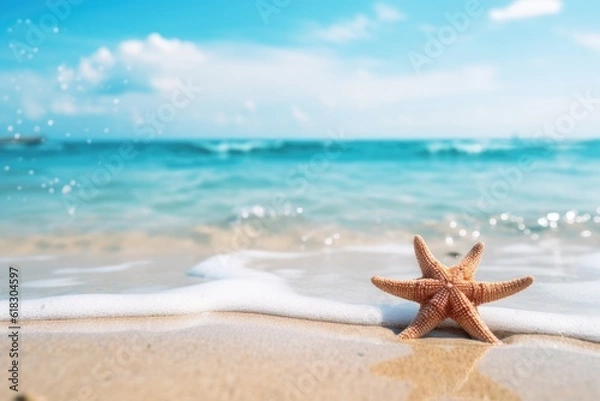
{"points": [[469, 148], [482, 148], [372, 150], [234, 286], [398, 149], [237, 147]]}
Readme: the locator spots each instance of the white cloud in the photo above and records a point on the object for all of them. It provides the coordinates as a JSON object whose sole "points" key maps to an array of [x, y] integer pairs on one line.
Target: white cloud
{"points": [[221, 118], [427, 28], [360, 26], [299, 115], [589, 40], [344, 31], [299, 91], [250, 105], [385, 12], [293, 87], [239, 119], [141, 60], [521, 9]]}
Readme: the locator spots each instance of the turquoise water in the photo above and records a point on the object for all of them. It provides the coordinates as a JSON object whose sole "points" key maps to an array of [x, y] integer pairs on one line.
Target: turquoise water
{"points": [[297, 229], [335, 189]]}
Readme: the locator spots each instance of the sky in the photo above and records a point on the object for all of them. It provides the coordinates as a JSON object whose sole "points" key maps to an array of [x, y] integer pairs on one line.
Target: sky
{"points": [[77, 69]]}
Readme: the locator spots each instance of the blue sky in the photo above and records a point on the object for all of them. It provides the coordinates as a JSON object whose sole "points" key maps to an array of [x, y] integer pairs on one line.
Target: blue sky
{"points": [[81, 69]]}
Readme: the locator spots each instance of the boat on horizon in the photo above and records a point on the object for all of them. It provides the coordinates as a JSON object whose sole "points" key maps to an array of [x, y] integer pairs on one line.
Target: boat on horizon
{"points": [[26, 140]]}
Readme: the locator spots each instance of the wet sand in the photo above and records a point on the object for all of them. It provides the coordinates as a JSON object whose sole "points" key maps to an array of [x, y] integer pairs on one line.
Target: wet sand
{"points": [[234, 356]]}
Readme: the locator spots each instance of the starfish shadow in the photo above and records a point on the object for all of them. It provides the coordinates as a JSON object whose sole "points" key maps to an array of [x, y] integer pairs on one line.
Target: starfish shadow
{"points": [[442, 368]]}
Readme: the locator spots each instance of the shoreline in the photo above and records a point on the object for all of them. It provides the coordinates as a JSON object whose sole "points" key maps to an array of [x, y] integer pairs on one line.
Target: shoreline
{"points": [[249, 356]]}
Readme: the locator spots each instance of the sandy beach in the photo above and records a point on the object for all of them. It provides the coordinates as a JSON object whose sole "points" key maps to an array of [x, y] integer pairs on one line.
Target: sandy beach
{"points": [[234, 356], [256, 200], [229, 355]]}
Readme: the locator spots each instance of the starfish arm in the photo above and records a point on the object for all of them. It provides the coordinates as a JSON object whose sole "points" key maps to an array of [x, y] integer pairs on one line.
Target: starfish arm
{"points": [[481, 292], [470, 262], [429, 265], [429, 316], [466, 315], [419, 290]]}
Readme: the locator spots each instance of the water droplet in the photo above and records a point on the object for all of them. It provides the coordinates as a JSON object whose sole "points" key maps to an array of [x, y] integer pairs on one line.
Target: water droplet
{"points": [[583, 218], [475, 234], [116, 101], [493, 221], [66, 189], [258, 211], [51, 190], [453, 224], [19, 188], [553, 216], [36, 128], [6, 168], [328, 241], [299, 210], [50, 123], [55, 29], [10, 128], [586, 233], [31, 172], [462, 232], [504, 216]]}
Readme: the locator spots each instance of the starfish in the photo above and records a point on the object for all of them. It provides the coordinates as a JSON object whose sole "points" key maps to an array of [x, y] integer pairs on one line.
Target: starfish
{"points": [[449, 292]]}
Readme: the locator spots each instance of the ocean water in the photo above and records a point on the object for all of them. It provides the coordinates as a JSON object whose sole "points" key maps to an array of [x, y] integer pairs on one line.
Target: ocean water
{"points": [[311, 193], [297, 228]]}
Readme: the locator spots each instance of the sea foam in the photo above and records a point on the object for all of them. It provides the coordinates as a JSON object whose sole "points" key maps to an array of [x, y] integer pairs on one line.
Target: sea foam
{"points": [[234, 286]]}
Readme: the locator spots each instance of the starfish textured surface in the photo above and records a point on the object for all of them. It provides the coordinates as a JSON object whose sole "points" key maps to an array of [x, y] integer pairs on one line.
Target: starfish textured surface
{"points": [[450, 292]]}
